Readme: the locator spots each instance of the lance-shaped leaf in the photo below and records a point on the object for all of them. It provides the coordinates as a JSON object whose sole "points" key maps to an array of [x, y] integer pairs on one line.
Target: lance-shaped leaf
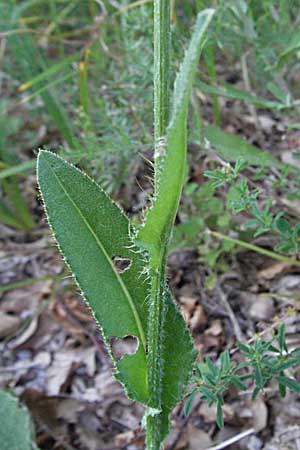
{"points": [[178, 360], [91, 232], [231, 147]]}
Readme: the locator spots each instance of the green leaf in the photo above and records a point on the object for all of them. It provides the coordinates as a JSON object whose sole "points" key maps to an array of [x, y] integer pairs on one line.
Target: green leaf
{"points": [[21, 210], [282, 390], [258, 376], [283, 227], [16, 429], [245, 348], [237, 382], [212, 368], [91, 230], [220, 420], [293, 47], [208, 393], [225, 361], [231, 147], [51, 71], [278, 93], [229, 91], [255, 393], [293, 385], [8, 217], [189, 403], [178, 355], [281, 337], [289, 363], [17, 169]]}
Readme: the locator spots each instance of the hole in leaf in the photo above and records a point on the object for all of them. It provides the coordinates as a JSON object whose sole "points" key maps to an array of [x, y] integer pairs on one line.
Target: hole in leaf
{"points": [[121, 264], [127, 345]]}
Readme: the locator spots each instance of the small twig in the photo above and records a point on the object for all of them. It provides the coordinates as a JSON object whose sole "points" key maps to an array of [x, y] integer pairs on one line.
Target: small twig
{"points": [[183, 424], [233, 440], [236, 328]]}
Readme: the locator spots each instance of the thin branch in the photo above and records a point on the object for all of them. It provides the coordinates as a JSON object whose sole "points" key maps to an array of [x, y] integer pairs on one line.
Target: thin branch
{"points": [[233, 440]]}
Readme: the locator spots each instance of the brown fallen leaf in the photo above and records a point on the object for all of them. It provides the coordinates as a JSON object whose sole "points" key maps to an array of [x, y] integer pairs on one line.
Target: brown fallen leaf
{"points": [[68, 409], [273, 270], [44, 410], [198, 318], [262, 308], [68, 310], [63, 362], [215, 329], [209, 413], [124, 439], [214, 335], [26, 300], [198, 439], [9, 324], [193, 312], [89, 433], [260, 414], [187, 305]]}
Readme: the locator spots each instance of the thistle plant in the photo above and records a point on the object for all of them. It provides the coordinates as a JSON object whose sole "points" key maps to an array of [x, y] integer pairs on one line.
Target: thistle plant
{"points": [[92, 233], [121, 268]]}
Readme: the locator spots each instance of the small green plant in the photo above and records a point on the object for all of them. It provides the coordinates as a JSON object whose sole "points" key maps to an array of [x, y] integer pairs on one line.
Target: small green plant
{"points": [[227, 174], [263, 361], [241, 199]]}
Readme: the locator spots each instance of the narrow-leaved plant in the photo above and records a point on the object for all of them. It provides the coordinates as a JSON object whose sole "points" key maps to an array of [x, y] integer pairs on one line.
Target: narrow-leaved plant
{"points": [[93, 233]]}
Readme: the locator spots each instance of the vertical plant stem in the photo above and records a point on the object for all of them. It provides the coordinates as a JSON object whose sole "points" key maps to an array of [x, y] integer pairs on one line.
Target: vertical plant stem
{"points": [[158, 256], [162, 38], [154, 361]]}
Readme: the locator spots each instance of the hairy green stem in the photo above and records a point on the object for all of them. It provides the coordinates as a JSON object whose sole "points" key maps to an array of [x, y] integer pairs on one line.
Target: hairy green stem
{"points": [[161, 74], [158, 257], [154, 236], [154, 359]]}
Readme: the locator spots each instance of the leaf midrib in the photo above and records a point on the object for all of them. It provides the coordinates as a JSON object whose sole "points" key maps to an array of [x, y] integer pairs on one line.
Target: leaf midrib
{"points": [[123, 286]]}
